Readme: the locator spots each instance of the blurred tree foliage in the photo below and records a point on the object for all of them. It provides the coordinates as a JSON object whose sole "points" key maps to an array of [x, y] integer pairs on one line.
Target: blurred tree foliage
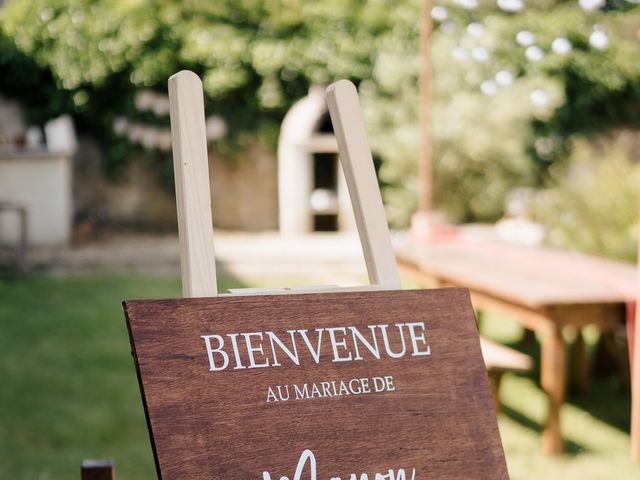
{"points": [[592, 200], [488, 144], [256, 57], [21, 77]]}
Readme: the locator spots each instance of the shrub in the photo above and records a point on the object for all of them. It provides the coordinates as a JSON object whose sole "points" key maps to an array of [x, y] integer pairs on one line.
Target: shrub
{"points": [[594, 200]]}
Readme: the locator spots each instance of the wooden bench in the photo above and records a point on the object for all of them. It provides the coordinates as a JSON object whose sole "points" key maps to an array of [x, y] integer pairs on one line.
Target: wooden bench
{"points": [[500, 359]]}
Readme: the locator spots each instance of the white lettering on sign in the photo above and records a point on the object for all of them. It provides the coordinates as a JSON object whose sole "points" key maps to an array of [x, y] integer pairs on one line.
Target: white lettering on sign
{"points": [[331, 388], [308, 457], [348, 344]]}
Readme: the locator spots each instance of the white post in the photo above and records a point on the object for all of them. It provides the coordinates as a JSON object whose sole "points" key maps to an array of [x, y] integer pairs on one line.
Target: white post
{"points": [[346, 220], [193, 197], [357, 164]]}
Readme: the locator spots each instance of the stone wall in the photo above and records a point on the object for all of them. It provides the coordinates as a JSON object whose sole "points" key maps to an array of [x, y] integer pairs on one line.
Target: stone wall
{"points": [[244, 187], [244, 191], [134, 199]]}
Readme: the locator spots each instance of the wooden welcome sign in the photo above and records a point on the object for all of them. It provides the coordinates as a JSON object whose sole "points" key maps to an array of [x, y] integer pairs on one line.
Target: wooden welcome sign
{"points": [[362, 385], [369, 383]]}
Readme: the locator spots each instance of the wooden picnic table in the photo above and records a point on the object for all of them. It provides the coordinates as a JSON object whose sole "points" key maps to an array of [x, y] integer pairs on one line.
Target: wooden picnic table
{"points": [[544, 290]]}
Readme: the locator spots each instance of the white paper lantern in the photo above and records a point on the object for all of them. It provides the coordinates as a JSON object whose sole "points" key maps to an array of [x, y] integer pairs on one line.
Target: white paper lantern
{"points": [[439, 13], [534, 53], [480, 54], [459, 53], [591, 5], [544, 147], [504, 78], [561, 46], [599, 39], [135, 132], [525, 38], [467, 4], [149, 138], [510, 5], [323, 200], [160, 105], [489, 88], [120, 125], [164, 140], [475, 29], [448, 27], [143, 100], [216, 127], [539, 98]]}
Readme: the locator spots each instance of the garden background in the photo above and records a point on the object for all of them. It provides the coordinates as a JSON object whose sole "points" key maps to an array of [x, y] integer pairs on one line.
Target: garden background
{"points": [[563, 125], [554, 129]]}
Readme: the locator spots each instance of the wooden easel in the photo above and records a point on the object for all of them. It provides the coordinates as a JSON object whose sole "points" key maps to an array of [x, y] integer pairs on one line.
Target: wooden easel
{"points": [[197, 258], [196, 233], [376, 405]]}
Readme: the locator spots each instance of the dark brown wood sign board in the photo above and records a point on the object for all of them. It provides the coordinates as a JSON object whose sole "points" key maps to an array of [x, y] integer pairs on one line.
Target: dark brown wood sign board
{"points": [[386, 385]]}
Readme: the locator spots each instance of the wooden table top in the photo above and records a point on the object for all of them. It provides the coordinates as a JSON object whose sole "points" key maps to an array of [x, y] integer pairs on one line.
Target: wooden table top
{"points": [[532, 277]]}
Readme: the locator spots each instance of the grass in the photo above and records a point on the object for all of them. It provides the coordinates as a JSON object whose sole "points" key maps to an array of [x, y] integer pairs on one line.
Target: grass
{"points": [[68, 390], [595, 424]]}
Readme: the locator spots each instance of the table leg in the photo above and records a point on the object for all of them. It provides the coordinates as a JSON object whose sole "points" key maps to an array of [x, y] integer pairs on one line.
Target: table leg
{"points": [[553, 378], [635, 390], [479, 318], [495, 378], [528, 337], [579, 364]]}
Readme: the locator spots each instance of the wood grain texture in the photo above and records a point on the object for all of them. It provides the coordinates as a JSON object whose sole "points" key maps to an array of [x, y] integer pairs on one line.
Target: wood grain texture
{"points": [[193, 197], [357, 164], [218, 425], [530, 277], [553, 377]]}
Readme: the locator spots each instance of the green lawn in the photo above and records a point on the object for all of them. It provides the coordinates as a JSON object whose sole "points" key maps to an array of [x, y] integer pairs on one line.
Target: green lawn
{"points": [[68, 390]]}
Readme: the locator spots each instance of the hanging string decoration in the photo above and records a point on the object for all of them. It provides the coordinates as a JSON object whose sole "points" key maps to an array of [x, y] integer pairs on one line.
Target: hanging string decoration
{"points": [[448, 18]]}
